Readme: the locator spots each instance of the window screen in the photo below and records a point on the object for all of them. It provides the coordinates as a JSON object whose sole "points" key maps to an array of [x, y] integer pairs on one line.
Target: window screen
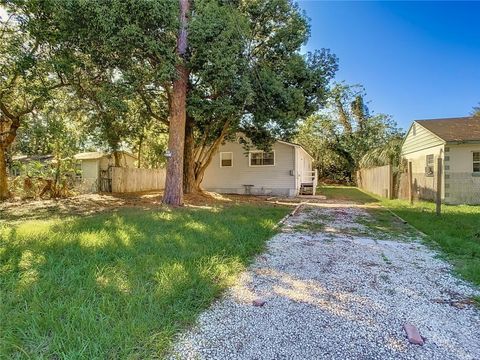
{"points": [[226, 159], [258, 158], [476, 161]]}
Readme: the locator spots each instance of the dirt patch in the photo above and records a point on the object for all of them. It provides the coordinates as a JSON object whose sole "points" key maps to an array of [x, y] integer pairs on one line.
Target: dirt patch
{"points": [[88, 204]]}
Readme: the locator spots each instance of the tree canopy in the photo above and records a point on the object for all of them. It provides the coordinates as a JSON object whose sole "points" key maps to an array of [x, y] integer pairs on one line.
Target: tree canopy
{"points": [[346, 135], [245, 70]]}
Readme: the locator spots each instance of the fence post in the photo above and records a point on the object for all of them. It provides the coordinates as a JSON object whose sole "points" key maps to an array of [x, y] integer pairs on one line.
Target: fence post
{"points": [[439, 187], [410, 183], [390, 182]]}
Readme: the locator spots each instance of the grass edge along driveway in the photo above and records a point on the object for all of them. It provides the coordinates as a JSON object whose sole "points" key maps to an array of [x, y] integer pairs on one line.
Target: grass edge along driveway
{"points": [[456, 233], [120, 284]]}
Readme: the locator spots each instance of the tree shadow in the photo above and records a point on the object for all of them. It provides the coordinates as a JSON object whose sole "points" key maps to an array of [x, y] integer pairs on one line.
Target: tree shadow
{"points": [[120, 284]]}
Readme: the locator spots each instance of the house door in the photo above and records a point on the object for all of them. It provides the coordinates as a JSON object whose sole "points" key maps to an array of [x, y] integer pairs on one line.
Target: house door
{"points": [[106, 180]]}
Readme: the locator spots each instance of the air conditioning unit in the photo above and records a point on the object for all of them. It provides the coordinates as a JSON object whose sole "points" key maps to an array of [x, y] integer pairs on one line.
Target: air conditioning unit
{"points": [[429, 171]]}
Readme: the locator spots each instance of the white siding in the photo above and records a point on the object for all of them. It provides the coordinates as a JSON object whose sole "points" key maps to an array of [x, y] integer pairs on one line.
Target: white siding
{"points": [[303, 166], [462, 186], [425, 186], [459, 184], [275, 179], [460, 157], [420, 139], [90, 175]]}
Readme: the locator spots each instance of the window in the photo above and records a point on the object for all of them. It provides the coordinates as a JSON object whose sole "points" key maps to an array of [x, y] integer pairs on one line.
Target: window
{"points": [[476, 162], [226, 159], [262, 158], [429, 169]]}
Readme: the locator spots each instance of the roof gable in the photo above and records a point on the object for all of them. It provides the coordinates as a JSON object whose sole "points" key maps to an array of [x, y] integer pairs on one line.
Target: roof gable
{"points": [[462, 129], [295, 145]]}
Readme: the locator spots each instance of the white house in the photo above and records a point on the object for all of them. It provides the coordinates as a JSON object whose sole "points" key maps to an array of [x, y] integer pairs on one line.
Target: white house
{"points": [[286, 170], [457, 142]]}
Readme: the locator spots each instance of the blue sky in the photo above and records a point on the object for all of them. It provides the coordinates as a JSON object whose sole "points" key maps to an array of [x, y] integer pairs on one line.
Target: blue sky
{"points": [[416, 60]]}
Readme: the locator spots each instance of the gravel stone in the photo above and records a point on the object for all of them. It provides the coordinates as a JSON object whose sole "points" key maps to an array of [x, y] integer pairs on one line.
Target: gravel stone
{"points": [[334, 295]]}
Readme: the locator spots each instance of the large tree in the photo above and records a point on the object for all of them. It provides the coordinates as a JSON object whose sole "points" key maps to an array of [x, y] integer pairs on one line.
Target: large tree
{"points": [[27, 79], [178, 113], [250, 78]]}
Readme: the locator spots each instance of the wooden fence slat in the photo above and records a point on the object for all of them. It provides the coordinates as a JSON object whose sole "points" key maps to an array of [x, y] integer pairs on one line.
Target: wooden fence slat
{"points": [[126, 180], [377, 180]]}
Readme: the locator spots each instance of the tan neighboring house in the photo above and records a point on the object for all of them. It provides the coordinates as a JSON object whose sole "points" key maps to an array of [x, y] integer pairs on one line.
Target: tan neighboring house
{"points": [[286, 170], [96, 169], [457, 142]]}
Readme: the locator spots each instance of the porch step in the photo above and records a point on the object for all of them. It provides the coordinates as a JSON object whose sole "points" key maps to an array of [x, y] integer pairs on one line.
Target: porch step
{"points": [[306, 189]]}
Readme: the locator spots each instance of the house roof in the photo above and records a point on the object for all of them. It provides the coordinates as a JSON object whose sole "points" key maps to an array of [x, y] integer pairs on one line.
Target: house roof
{"points": [[295, 145], [27, 158], [94, 155], [461, 129]]}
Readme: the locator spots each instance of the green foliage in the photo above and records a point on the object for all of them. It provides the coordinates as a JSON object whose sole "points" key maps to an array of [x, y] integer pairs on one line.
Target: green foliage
{"points": [[54, 178], [120, 285], [113, 53], [387, 154], [246, 71], [151, 146], [54, 129], [476, 111], [344, 134]]}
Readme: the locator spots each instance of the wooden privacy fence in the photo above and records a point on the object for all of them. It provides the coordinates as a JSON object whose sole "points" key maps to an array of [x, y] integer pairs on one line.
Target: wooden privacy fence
{"points": [[405, 185], [126, 180], [377, 180]]}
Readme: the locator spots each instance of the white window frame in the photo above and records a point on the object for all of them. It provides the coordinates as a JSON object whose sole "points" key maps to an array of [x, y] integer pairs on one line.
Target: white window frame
{"points": [[225, 152], [475, 161], [261, 152]]}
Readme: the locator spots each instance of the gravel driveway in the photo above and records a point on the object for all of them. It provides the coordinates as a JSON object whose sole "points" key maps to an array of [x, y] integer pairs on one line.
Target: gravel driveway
{"points": [[336, 289]]}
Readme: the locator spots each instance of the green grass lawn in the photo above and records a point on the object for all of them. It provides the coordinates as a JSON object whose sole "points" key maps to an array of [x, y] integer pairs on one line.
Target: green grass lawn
{"points": [[456, 232], [346, 193], [119, 285]]}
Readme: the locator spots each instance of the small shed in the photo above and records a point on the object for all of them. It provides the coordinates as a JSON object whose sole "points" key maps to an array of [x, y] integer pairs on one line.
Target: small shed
{"points": [[96, 169]]}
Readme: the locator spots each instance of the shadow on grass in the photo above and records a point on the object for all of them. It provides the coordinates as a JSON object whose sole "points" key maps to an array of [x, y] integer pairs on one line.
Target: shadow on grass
{"points": [[119, 285]]}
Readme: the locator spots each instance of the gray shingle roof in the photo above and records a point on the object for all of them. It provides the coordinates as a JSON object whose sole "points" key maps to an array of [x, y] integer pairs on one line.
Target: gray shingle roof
{"points": [[454, 129]]}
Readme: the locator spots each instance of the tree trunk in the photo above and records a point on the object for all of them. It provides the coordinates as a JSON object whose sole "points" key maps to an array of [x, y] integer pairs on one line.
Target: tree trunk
{"points": [[176, 138], [4, 193], [117, 157], [189, 183]]}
